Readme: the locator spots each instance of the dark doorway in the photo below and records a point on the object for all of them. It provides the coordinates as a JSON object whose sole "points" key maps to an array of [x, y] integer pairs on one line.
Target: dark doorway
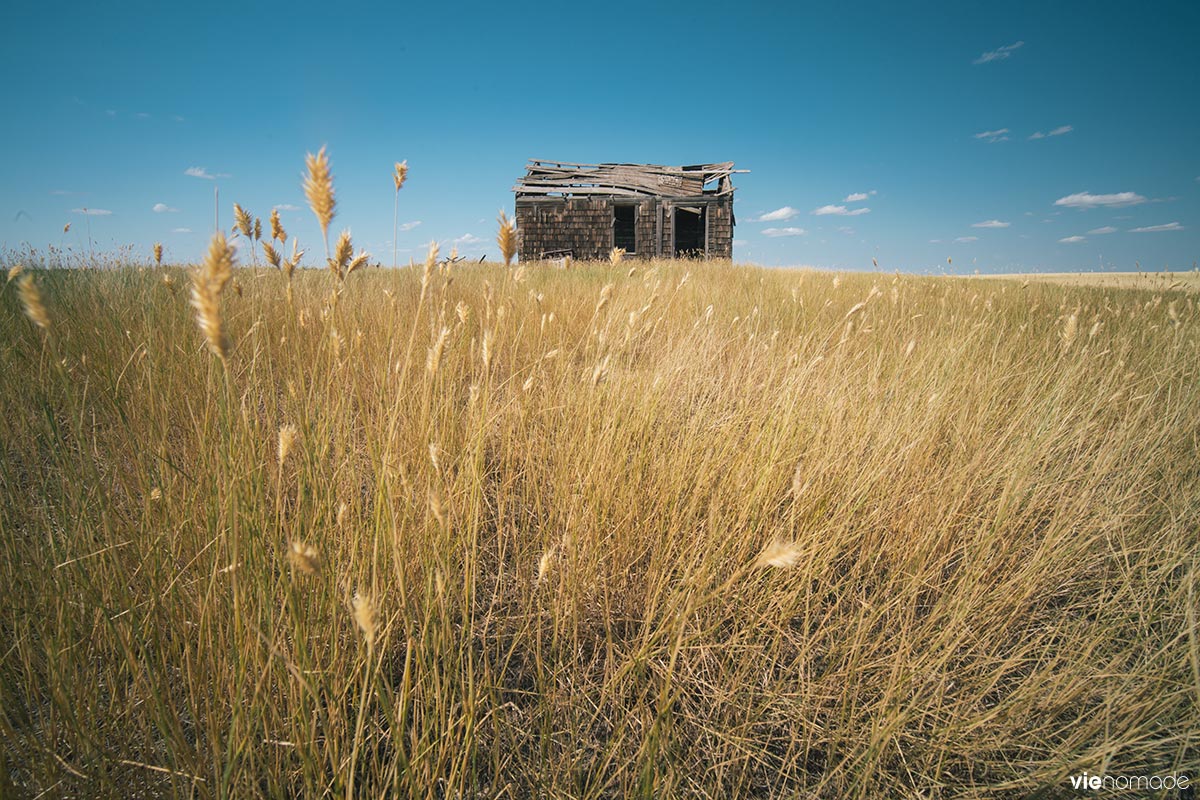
{"points": [[689, 231], [625, 228]]}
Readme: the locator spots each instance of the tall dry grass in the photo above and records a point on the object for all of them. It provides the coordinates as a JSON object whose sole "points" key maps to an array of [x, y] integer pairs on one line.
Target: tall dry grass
{"points": [[666, 530]]}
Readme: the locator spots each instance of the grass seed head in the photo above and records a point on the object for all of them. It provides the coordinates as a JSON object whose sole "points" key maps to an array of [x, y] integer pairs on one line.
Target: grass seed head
{"points": [[342, 254], [304, 558], [158, 253], [365, 616], [277, 231], [781, 555], [506, 238], [318, 188], [287, 440], [400, 174], [31, 301], [243, 223], [207, 283], [272, 255]]}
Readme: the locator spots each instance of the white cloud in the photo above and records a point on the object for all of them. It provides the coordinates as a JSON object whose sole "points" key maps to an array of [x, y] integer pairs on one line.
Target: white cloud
{"points": [[408, 226], [846, 229], [935, 241], [965, 239], [779, 214], [998, 135], [777, 232], [840, 211], [991, 223], [202, 172], [1059, 131], [93, 212], [142, 115], [1105, 229], [1088, 200], [999, 54], [468, 238], [1170, 226], [181, 230], [163, 208], [858, 196], [1072, 240], [287, 207]]}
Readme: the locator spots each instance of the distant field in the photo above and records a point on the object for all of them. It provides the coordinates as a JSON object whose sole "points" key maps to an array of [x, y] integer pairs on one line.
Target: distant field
{"points": [[1149, 281], [636, 530]]}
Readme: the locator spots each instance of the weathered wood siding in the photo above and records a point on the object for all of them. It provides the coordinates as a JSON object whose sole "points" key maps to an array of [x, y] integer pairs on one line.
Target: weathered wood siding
{"points": [[720, 228], [585, 226], [581, 225]]}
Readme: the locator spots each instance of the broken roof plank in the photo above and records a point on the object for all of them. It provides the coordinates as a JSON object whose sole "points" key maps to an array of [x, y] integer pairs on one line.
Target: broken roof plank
{"points": [[544, 176]]}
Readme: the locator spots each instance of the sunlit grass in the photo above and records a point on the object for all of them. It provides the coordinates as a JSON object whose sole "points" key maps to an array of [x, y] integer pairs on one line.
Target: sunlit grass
{"points": [[627, 529]]}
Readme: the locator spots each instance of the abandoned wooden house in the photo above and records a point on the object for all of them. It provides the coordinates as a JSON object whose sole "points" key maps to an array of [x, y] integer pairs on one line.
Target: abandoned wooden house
{"points": [[586, 210]]}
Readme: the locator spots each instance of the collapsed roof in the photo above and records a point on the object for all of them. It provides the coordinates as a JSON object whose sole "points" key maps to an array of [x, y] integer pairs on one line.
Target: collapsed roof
{"points": [[631, 180]]}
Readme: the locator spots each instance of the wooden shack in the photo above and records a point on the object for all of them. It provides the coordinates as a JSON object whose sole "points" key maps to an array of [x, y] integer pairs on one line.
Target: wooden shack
{"points": [[651, 211]]}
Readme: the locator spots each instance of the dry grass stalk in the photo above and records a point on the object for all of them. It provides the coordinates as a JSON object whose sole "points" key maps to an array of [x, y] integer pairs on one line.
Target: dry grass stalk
{"points": [[272, 255], [781, 555], [31, 301], [287, 440], [277, 232], [434, 358], [158, 253], [207, 284], [14, 271], [318, 188], [304, 558], [358, 262], [342, 254], [506, 238], [243, 223], [615, 256], [365, 616]]}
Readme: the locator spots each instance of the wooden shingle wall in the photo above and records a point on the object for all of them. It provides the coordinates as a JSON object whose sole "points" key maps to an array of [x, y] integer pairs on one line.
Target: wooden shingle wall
{"points": [[585, 226]]}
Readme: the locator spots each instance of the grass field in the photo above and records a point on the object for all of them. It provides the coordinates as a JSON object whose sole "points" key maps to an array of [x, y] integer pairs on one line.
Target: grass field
{"points": [[1147, 281], [635, 530]]}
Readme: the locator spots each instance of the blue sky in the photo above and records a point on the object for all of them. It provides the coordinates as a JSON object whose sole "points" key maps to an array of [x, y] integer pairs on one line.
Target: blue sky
{"points": [[1008, 137]]}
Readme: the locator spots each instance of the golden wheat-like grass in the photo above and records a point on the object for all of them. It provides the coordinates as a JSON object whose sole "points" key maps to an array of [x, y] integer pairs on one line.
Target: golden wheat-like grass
{"points": [[287, 440], [365, 616], [158, 253], [277, 231], [31, 301], [208, 281], [506, 238], [272, 255], [342, 253], [616, 255], [318, 188], [400, 174], [777, 554], [304, 558], [243, 222], [358, 262]]}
